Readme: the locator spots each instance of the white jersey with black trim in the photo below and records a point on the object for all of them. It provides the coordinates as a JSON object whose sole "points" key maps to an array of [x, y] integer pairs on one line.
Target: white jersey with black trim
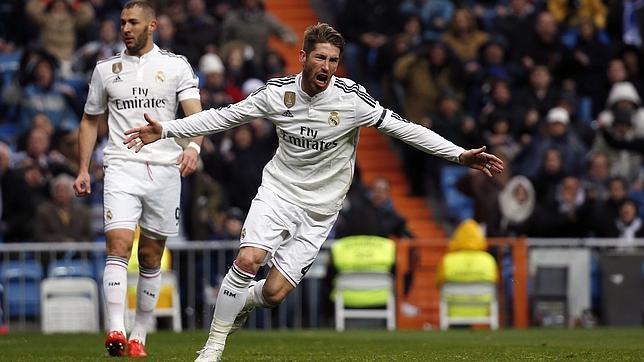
{"points": [[314, 163], [128, 86]]}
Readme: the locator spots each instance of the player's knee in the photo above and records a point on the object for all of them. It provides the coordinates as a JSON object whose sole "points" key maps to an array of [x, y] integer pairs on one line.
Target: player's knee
{"points": [[119, 247], [249, 259], [149, 258]]}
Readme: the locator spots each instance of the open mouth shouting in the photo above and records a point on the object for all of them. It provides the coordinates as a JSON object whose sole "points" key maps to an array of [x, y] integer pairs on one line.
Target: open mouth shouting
{"points": [[321, 80]]}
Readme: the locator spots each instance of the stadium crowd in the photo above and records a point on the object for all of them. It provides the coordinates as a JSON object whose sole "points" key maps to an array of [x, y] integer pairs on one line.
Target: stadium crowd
{"points": [[553, 87]]}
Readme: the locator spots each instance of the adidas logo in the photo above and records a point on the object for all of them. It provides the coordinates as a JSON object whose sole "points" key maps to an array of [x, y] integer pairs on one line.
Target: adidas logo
{"points": [[287, 113], [117, 79]]}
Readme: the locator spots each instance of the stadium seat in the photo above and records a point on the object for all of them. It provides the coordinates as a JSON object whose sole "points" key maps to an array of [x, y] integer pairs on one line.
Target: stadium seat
{"points": [[21, 280], [459, 206], [467, 304], [70, 268], [364, 281], [69, 305]]}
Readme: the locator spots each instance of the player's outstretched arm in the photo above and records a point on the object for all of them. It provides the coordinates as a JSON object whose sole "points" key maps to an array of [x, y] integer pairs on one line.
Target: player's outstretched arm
{"points": [[480, 160], [137, 137]]}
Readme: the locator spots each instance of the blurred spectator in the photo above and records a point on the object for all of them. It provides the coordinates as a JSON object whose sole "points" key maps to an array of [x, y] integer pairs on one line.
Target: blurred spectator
{"points": [[464, 37], [107, 45], [367, 26], [623, 97], [567, 11], [557, 135], [548, 175], [43, 94], [485, 193], [231, 225], [62, 218], [241, 170], [452, 123], [624, 162], [543, 47], [587, 57], [422, 75], [238, 62], [216, 91], [569, 215], [634, 62], [520, 15], [165, 34], [434, 14], [535, 101], [197, 33], [499, 101], [516, 203], [595, 181], [252, 25], [371, 212], [628, 225], [607, 211], [17, 204], [58, 21], [499, 135]]}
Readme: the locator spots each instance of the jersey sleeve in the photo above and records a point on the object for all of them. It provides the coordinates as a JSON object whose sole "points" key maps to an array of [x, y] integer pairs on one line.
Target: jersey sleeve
{"points": [[188, 84], [96, 97], [417, 136], [220, 119]]}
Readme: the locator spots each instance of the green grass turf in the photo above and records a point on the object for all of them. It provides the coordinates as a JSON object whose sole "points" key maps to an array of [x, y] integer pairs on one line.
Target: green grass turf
{"points": [[353, 345]]}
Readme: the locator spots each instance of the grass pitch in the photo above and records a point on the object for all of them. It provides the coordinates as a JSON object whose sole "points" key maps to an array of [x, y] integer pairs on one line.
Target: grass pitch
{"points": [[353, 345]]}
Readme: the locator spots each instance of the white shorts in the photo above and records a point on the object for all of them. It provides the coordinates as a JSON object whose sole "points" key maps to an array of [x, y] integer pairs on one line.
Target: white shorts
{"points": [[291, 235], [144, 194]]}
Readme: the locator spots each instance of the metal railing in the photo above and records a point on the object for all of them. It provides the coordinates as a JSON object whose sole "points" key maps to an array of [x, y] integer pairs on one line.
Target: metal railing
{"points": [[199, 267]]}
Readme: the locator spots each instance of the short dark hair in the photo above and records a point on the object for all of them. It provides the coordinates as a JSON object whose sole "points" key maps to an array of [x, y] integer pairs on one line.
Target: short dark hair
{"points": [[322, 33], [143, 4]]}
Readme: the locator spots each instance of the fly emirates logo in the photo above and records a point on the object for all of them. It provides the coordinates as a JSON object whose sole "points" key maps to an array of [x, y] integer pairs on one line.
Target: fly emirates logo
{"points": [[139, 99], [308, 139]]}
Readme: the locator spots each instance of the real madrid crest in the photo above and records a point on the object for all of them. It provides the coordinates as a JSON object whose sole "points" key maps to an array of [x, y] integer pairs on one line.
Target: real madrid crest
{"points": [[160, 76], [242, 235], [117, 68], [289, 99], [334, 118], [108, 215]]}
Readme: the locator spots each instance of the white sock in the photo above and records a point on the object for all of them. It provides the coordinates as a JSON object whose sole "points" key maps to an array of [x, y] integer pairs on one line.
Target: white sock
{"points": [[147, 295], [230, 301], [256, 296], [114, 290]]}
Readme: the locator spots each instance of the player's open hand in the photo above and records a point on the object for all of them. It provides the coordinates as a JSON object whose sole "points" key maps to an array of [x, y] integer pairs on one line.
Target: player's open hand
{"points": [[187, 161], [82, 184], [480, 160], [137, 137]]}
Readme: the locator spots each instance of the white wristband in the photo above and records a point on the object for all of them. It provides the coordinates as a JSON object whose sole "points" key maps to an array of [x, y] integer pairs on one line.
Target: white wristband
{"points": [[195, 146]]}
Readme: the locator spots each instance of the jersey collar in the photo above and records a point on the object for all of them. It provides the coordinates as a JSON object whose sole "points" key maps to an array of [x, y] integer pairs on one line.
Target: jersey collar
{"points": [[142, 58]]}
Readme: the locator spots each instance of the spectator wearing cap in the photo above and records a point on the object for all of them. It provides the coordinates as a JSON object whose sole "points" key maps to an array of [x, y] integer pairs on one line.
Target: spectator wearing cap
{"points": [[216, 91], [559, 136], [617, 130], [623, 96]]}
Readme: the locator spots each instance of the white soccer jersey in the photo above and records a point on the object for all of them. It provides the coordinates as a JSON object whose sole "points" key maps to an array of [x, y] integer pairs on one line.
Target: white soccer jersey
{"points": [[313, 165], [128, 86]]}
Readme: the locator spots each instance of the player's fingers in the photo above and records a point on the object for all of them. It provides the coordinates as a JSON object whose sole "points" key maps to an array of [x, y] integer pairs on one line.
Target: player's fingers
{"points": [[180, 159], [130, 138], [133, 130], [148, 118], [138, 146]]}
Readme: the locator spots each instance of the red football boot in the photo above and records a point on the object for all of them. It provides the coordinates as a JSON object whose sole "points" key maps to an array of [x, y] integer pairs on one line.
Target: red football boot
{"points": [[115, 344], [135, 348]]}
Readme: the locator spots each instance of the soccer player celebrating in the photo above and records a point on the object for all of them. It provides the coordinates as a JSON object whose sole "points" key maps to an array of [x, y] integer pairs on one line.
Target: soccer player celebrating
{"points": [[141, 188], [318, 117]]}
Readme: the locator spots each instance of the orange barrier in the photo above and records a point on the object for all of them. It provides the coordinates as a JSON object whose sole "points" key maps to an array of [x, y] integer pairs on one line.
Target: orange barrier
{"points": [[417, 264]]}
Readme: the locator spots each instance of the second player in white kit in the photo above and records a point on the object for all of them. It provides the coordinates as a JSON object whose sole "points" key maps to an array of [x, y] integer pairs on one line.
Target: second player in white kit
{"points": [[317, 117]]}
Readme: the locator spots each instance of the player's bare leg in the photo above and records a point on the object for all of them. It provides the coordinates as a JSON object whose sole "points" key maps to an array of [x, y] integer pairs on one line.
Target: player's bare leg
{"points": [[119, 246], [147, 290], [230, 301]]}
